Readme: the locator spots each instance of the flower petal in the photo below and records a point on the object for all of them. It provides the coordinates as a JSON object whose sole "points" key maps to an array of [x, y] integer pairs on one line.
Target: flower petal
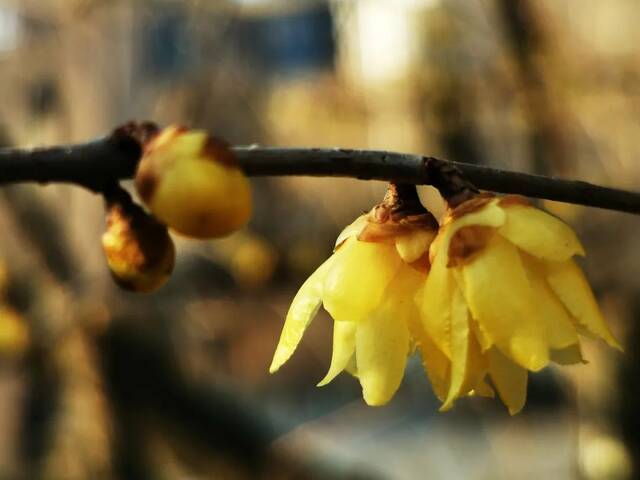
{"points": [[437, 366], [539, 233], [500, 298], [435, 303], [303, 309], [570, 285], [358, 278], [477, 364], [561, 331], [483, 389], [352, 366], [352, 230], [344, 346], [435, 363], [460, 335], [509, 379], [382, 343], [413, 245], [382, 340]]}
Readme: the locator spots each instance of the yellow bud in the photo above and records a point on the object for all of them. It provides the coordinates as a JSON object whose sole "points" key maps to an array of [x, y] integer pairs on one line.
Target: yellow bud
{"points": [[254, 262], [139, 250], [14, 333], [192, 182]]}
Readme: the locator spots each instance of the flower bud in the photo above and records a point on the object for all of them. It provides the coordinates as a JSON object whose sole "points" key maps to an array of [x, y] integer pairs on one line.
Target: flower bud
{"points": [[192, 182], [14, 333], [139, 250]]}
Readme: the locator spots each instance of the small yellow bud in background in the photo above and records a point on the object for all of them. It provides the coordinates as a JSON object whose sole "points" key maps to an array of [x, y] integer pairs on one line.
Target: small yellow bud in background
{"points": [[192, 182], [254, 262], [14, 333], [139, 250]]}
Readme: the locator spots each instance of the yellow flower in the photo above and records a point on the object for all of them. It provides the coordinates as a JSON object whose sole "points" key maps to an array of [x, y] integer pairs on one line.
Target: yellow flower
{"points": [[368, 286], [192, 182], [503, 297]]}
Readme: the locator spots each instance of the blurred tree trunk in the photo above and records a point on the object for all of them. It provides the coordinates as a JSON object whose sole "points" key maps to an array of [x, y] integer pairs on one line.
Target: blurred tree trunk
{"points": [[531, 43]]}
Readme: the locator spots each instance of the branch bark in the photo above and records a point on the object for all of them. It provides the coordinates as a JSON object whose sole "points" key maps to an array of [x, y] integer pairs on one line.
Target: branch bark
{"points": [[95, 165]]}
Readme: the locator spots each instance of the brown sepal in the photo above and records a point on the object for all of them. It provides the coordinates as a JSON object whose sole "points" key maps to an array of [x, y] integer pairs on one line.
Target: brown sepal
{"points": [[218, 151], [472, 205]]}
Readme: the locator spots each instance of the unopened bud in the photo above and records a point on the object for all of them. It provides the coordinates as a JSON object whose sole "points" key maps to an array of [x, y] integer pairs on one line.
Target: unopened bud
{"points": [[139, 250], [192, 182], [14, 333]]}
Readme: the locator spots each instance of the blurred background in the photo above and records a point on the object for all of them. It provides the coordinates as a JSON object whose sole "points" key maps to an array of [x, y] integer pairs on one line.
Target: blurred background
{"points": [[100, 383]]}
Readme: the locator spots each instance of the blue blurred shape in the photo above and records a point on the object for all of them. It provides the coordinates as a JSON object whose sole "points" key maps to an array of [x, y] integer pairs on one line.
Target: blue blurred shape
{"points": [[293, 43], [167, 44]]}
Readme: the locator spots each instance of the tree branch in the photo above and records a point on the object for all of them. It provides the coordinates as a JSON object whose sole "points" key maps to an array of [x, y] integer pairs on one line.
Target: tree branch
{"points": [[97, 164]]}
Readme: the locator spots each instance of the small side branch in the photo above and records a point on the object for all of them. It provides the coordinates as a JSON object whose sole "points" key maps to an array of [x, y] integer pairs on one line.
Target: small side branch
{"points": [[96, 165]]}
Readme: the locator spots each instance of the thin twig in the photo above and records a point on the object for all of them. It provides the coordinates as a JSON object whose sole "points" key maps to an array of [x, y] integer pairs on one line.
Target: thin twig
{"points": [[97, 164]]}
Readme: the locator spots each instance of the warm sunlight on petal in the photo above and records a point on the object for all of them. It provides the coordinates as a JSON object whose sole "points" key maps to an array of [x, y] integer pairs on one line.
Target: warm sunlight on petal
{"points": [[356, 282], [540, 234], [570, 285], [344, 345], [500, 298], [509, 379], [304, 307]]}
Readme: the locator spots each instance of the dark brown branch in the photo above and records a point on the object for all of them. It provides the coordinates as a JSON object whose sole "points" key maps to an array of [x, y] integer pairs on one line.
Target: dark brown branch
{"points": [[407, 168], [95, 165]]}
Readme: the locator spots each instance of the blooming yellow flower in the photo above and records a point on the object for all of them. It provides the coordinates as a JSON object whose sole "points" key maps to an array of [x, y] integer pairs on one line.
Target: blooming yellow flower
{"points": [[368, 286], [503, 297]]}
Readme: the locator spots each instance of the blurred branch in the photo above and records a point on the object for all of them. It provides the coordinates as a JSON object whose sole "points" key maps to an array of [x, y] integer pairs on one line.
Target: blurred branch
{"points": [[95, 165]]}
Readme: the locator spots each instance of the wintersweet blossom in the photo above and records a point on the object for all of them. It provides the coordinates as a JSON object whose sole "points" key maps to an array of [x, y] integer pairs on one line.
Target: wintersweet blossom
{"points": [[493, 294], [504, 297], [368, 286]]}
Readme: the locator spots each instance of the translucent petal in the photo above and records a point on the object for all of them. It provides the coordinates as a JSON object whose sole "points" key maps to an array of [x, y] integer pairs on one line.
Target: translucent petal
{"points": [[561, 331], [382, 343], [477, 364], [352, 366], [501, 300], [570, 285], [483, 389], [304, 307], [509, 379], [437, 366], [344, 346], [460, 334], [352, 230], [358, 278], [413, 245], [540, 234], [482, 337], [435, 304], [435, 363]]}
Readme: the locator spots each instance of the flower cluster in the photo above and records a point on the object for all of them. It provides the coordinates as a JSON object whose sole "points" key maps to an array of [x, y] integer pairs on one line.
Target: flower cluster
{"points": [[488, 295]]}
